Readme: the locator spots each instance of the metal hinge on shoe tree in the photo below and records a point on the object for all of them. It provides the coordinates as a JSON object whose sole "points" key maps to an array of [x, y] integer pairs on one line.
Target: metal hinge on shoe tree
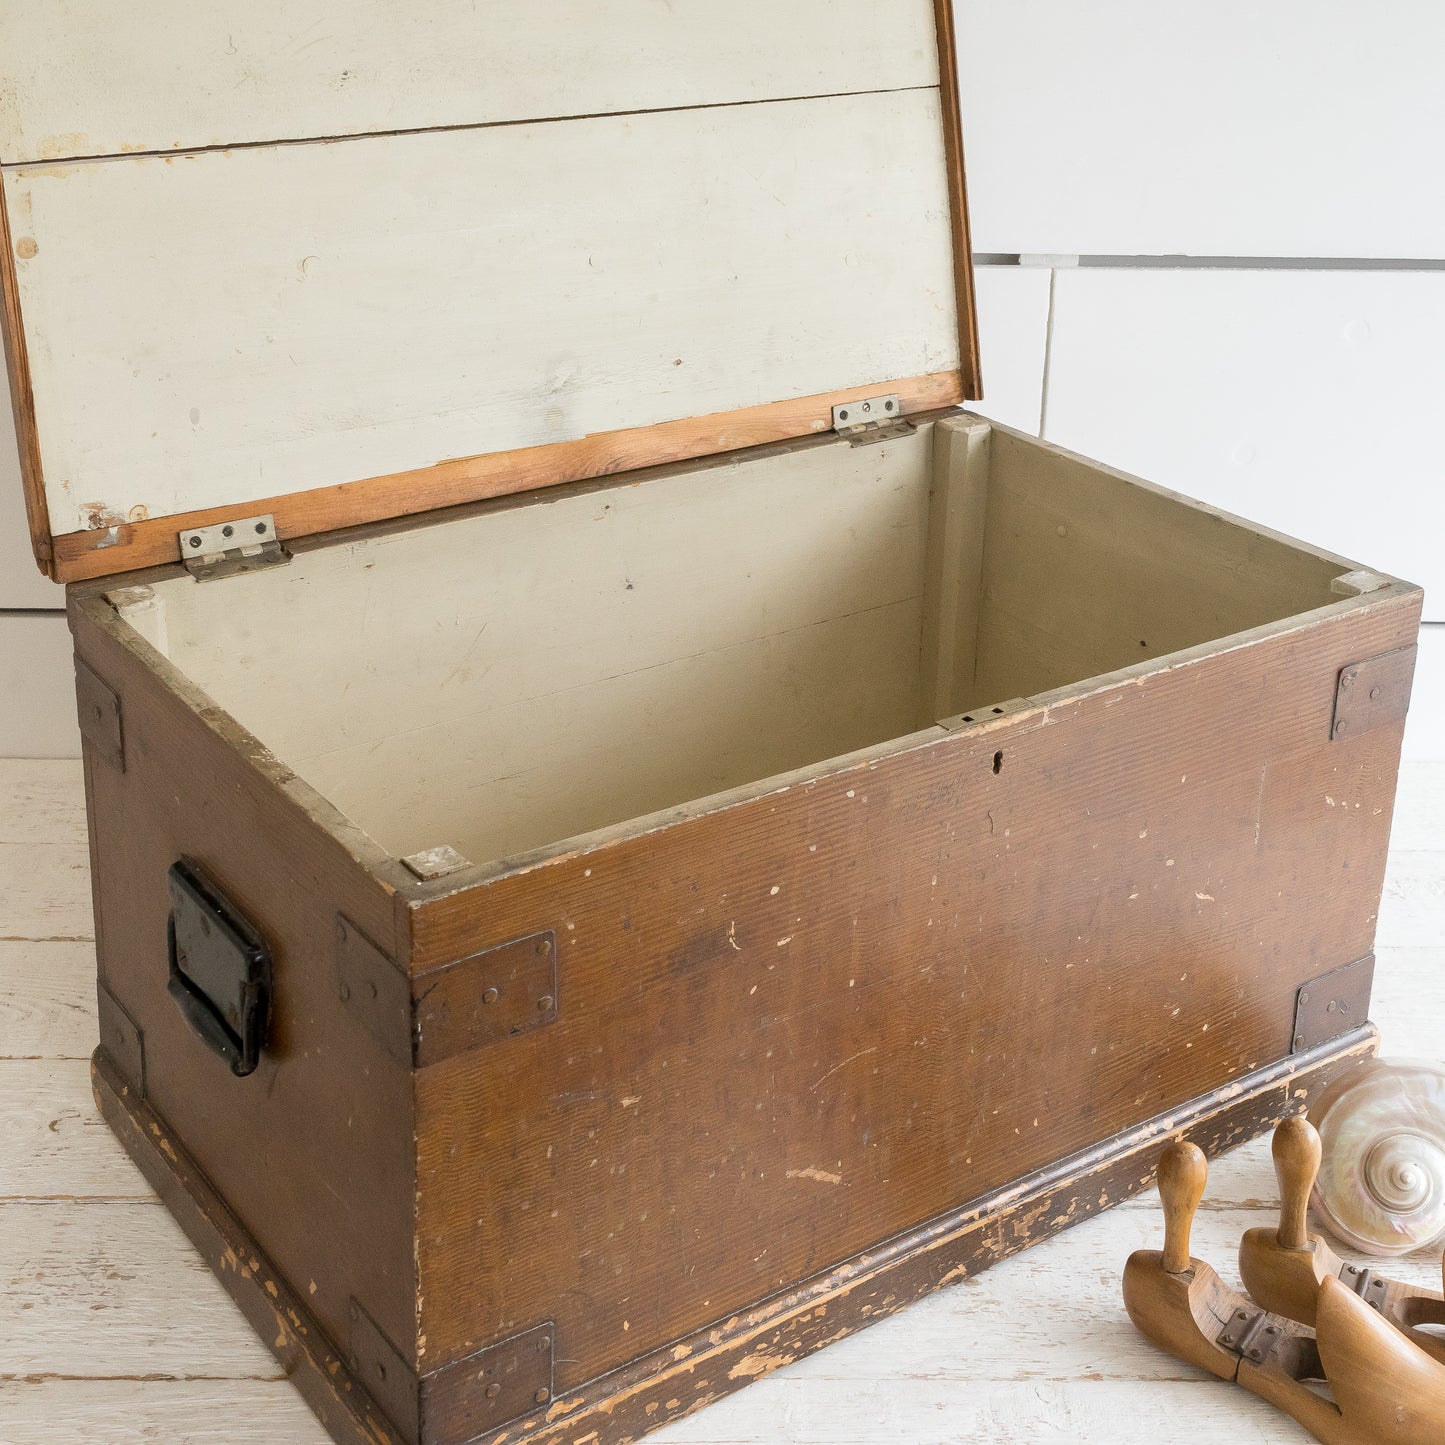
{"points": [[1250, 1335]]}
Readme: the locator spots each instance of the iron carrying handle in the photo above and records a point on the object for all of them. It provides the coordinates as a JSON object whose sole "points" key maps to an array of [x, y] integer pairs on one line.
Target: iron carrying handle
{"points": [[220, 970]]}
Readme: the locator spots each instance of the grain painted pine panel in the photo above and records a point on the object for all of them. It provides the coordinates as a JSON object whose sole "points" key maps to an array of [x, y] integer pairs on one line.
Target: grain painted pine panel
{"points": [[1212, 127], [216, 328], [1037, 1349], [1305, 400], [1013, 325], [47, 999], [84, 78], [37, 690]]}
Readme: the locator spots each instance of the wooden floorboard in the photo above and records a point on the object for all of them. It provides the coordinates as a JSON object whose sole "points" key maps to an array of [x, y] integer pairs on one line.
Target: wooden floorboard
{"points": [[47, 999], [112, 1332]]}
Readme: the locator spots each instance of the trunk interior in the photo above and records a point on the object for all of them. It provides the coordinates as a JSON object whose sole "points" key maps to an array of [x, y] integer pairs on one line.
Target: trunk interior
{"points": [[555, 664]]}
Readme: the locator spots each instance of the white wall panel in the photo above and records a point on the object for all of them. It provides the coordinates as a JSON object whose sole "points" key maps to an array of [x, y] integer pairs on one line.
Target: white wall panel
{"points": [[37, 687], [1013, 324], [1205, 127], [1307, 400]]}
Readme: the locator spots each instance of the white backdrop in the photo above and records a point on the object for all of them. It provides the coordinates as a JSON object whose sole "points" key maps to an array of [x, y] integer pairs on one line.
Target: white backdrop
{"points": [[1211, 240]]}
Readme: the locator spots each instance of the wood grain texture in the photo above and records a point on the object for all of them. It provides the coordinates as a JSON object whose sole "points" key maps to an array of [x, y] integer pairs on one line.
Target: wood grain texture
{"points": [[49, 1252], [88, 554], [1382, 1390], [928, 1411], [963, 279], [52, 1144], [178, 76], [22, 398], [47, 891], [759, 614], [987, 1361], [793, 1020], [830, 953], [41, 801], [690, 1374], [159, 393], [138, 1411], [315, 1148], [47, 995], [280, 1314]]}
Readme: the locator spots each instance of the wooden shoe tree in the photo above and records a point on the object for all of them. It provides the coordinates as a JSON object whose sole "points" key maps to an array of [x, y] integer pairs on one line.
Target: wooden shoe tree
{"points": [[1284, 1268], [1385, 1390]]}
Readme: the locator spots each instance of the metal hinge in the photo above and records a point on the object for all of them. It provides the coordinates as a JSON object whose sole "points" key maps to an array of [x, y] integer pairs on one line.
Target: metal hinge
{"points": [[873, 419], [1370, 1287], [228, 548], [1250, 1334]]}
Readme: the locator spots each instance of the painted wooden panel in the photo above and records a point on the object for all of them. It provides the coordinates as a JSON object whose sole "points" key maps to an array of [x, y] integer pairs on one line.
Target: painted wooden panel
{"points": [[125, 1299], [217, 328], [37, 687], [1305, 400], [21, 582], [1211, 127], [85, 78], [1013, 323], [759, 617]]}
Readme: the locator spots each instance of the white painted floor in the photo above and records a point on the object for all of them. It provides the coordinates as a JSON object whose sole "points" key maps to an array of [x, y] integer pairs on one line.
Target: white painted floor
{"points": [[111, 1330]]}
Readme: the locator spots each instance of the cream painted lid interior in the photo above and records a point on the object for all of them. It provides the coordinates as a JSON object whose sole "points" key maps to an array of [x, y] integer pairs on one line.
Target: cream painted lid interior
{"points": [[255, 262]]}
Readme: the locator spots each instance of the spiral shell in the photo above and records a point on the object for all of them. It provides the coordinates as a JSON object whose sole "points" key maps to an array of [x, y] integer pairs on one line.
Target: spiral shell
{"points": [[1381, 1187]]}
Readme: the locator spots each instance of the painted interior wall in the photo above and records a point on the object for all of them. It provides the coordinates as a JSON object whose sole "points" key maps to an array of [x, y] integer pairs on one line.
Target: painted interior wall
{"points": [[1210, 250]]}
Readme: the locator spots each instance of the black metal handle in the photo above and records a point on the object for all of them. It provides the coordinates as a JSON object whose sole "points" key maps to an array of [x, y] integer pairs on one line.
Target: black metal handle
{"points": [[220, 969]]}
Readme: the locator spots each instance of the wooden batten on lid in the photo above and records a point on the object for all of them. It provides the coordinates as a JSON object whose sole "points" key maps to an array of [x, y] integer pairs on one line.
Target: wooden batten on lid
{"points": [[240, 281]]}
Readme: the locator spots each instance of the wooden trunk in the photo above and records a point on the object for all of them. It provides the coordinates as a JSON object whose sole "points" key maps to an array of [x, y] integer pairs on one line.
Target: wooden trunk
{"points": [[757, 1068], [644, 838]]}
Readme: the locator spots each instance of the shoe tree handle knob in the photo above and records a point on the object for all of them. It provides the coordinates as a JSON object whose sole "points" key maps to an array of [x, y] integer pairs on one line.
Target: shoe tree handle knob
{"points": [[1297, 1156], [1183, 1173]]}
